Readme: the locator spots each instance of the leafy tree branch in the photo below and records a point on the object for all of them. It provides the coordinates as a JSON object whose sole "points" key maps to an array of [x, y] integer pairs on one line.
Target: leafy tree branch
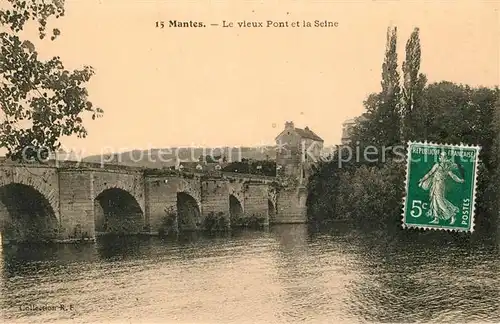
{"points": [[41, 100]]}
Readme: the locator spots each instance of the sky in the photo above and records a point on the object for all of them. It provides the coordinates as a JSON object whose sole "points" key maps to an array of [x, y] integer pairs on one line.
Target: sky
{"points": [[215, 86]]}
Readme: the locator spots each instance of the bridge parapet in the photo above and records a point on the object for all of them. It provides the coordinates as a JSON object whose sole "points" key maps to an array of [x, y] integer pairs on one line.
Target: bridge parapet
{"points": [[248, 176], [12, 164], [72, 165]]}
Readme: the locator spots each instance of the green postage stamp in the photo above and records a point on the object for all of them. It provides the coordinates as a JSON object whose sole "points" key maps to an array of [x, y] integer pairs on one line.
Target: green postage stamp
{"points": [[440, 186]]}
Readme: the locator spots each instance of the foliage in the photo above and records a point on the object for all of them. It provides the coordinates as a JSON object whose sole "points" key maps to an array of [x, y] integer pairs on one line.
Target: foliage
{"points": [[253, 221], [372, 205], [444, 112], [41, 101], [266, 168], [211, 159], [414, 119], [361, 191], [491, 192], [215, 222], [383, 125], [169, 223]]}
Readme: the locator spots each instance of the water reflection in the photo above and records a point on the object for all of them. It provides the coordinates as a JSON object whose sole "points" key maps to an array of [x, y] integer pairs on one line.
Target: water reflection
{"points": [[288, 273], [312, 273], [440, 278]]}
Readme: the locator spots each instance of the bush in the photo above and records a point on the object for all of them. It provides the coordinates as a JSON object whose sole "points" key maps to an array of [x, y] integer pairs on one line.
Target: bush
{"points": [[215, 223], [253, 221], [370, 196], [169, 223]]}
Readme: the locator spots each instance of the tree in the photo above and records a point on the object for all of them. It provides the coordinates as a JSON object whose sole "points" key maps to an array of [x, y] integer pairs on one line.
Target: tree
{"points": [[382, 124], [414, 121], [366, 131], [496, 135], [388, 111], [492, 192], [462, 114], [371, 193], [40, 100], [444, 112]]}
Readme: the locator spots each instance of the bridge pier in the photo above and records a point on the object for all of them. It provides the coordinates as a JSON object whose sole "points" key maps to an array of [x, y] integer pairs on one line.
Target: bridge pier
{"points": [[291, 206], [257, 202], [76, 206], [215, 201], [172, 203]]}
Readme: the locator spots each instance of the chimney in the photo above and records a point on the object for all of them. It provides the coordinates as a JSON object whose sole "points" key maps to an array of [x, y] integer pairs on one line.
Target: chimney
{"points": [[289, 125]]}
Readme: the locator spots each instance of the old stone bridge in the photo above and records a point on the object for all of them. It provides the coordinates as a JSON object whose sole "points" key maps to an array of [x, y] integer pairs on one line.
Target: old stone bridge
{"points": [[74, 201]]}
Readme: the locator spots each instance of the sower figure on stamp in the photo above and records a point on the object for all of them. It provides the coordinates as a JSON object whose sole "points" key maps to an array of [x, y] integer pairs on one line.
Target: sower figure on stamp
{"points": [[435, 182]]}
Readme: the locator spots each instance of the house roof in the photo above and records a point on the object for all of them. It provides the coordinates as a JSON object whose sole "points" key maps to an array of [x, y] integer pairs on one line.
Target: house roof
{"points": [[304, 133], [307, 133], [189, 164]]}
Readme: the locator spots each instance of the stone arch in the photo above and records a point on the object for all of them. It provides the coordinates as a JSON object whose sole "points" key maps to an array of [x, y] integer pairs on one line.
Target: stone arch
{"points": [[188, 188], [235, 209], [188, 211], [237, 189], [117, 211], [132, 186], [26, 214], [39, 182]]}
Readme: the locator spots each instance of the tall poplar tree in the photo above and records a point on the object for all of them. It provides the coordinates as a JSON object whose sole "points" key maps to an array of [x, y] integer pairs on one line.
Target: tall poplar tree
{"points": [[414, 116], [386, 118]]}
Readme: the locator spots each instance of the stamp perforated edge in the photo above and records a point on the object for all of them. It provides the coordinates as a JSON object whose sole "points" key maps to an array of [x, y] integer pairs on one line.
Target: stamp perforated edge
{"points": [[474, 188]]}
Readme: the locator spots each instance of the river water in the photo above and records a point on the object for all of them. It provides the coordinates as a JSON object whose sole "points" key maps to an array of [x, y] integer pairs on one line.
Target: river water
{"points": [[286, 274]]}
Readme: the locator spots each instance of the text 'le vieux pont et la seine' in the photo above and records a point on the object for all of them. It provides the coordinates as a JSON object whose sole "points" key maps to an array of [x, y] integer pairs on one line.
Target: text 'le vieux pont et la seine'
{"points": [[248, 24]]}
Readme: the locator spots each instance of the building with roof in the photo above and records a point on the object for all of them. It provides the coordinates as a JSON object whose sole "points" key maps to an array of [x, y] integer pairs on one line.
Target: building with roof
{"points": [[348, 127], [203, 165], [297, 150]]}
